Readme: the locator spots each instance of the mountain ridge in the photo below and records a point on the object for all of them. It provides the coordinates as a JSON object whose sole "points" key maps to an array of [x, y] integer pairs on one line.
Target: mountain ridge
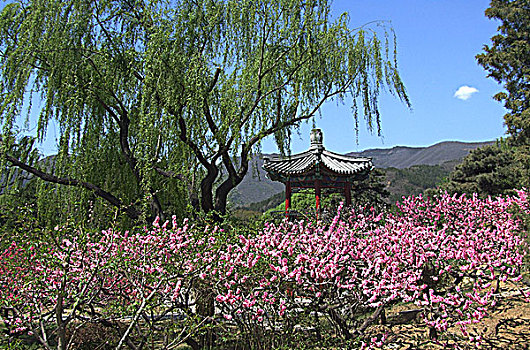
{"points": [[401, 157]]}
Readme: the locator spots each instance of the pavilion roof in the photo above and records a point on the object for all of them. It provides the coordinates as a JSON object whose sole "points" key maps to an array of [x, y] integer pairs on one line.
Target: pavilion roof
{"points": [[306, 161]]}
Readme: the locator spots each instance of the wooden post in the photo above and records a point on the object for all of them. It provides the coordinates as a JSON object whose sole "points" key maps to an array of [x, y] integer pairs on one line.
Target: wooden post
{"points": [[347, 193], [317, 197], [287, 198]]}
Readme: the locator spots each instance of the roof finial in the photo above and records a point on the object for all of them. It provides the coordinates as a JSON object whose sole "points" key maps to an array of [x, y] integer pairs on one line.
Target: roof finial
{"points": [[316, 139]]}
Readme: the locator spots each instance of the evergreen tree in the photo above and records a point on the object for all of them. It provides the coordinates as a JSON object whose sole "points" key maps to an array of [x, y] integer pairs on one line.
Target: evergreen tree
{"points": [[488, 170], [507, 60], [372, 191]]}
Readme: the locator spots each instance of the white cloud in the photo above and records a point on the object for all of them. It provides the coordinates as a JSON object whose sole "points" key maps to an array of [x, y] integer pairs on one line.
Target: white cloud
{"points": [[464, 92]]}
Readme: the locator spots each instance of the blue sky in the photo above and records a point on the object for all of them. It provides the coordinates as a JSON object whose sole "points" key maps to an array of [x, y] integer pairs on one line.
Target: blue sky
{"points": [[437, 44]]}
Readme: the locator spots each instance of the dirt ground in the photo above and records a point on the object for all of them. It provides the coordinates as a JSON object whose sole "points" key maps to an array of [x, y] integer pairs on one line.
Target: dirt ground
{"points": [[506, 327]]}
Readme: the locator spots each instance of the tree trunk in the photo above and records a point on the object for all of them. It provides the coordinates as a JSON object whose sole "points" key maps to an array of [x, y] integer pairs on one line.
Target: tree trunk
{"points": [[234, 179], [207, 189], [218, 207], [206, 309], [221, 194], [61, 327]]}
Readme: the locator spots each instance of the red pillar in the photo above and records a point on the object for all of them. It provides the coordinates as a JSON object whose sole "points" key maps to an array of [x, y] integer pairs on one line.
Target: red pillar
{"points": [[317, 197], [347, 193], [287, 198]]}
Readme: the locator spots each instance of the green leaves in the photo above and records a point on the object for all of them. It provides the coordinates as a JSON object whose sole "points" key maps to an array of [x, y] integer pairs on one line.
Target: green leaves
{"points": [[184, 83], [507, 60], [488, 170]]}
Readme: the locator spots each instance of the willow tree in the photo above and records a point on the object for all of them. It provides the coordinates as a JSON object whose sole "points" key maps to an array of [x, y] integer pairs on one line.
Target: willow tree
{"points": [[187, 89]]}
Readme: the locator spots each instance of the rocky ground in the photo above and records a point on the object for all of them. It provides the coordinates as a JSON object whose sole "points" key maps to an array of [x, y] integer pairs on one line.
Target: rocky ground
{"points": [[506, 327]]}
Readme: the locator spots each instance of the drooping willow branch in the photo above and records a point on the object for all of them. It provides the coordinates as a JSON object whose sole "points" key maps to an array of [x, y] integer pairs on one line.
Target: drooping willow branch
{"points": [[132, 212]]}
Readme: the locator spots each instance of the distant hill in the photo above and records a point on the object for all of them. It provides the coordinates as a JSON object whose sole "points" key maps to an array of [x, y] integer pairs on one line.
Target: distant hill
{"points": [[427, 165], [401, 157], [416, 179], [255, 186]]}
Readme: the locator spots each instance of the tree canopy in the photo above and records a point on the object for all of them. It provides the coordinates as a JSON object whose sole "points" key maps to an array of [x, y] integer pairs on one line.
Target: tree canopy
{"points": [[488, 170], [507, 60], [156, 100]]}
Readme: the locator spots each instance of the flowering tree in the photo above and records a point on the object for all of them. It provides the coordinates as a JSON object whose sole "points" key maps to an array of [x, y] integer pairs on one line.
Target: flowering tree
{"points": [[52, 293], [447, 256]]}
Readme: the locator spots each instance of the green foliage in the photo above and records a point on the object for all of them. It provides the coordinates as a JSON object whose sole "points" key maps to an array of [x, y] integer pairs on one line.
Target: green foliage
{"points": [[488, 170], [507, 61], [304, 202], [266, 204], [424, 176], [18, 219], [54, 204], [414, 180], [148, 90]]}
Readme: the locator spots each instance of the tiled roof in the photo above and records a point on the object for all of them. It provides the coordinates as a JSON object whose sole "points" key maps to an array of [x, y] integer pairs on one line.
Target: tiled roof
{"points": [[304, 162]]}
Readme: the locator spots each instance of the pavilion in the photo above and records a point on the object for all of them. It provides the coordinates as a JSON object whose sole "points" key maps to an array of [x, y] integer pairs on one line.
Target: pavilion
{"points": [[317, 168]]}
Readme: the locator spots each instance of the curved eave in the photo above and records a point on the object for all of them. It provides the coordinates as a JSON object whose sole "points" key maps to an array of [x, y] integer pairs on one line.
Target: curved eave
{"points": [[305, 162], [345, 165], [294, 165]]}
